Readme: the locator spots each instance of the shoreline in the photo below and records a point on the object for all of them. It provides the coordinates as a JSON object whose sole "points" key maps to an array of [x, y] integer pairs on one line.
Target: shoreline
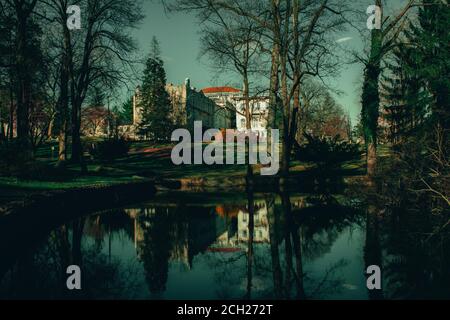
{"points": [[101, 196], [78, 200]]}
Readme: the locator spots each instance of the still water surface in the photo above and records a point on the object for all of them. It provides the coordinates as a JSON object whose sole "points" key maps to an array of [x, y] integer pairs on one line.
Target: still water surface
{"points": [[232, 246]]}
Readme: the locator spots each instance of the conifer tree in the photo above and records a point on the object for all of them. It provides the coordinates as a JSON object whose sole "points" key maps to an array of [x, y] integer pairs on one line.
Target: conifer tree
{"points": [[432, 43], [126, 112], [403, 91], [154, 100], [417, 85]]}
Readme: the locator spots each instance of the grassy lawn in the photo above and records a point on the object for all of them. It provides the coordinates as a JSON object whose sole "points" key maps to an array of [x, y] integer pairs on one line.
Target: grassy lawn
{"points": [[145, 160]]}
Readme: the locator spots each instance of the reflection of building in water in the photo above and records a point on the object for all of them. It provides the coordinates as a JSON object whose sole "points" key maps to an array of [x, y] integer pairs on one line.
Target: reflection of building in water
{"points": [[261, 229], [194, 230], [238, 231], [187, 234]]}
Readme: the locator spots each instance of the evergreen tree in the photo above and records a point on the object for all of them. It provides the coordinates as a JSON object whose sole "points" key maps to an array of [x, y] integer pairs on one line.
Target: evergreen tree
{"points": [[154, 100], [404, 94], [417, 85], [432, 43], [126, 112], [418, 102]]}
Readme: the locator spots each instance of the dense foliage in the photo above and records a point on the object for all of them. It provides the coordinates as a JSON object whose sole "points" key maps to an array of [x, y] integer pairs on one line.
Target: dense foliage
{"points": [[154, 100], [110, 149], [327, 153], [417, 88]]}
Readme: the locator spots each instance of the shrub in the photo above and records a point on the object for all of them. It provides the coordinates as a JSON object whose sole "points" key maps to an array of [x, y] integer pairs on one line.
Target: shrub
{"points": [[327, 153], [14, 162], [110, 149], [12, 153]]}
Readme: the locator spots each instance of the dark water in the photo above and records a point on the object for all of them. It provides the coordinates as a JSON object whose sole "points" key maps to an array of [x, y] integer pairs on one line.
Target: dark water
{"points": [[231, 246]]}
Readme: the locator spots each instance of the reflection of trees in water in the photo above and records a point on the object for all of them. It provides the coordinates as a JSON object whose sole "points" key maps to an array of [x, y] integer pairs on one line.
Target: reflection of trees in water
{"points": [[416, 265], [402, 238], [41, 273], [229, 272], [251, 231], [175, 233], [372, 247], [108, 226], [155, 252], [295, 233], [321, 224], [313, 227], [274, 222]]}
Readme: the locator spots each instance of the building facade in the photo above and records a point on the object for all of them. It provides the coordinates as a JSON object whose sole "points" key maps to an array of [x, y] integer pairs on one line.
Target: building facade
{"points": [[216, 107], [259, 110], [188, 106], [231, 110], [225, 99]]}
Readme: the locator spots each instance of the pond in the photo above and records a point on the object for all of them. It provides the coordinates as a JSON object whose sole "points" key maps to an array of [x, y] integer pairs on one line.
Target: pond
{"points": [[183, 245]]}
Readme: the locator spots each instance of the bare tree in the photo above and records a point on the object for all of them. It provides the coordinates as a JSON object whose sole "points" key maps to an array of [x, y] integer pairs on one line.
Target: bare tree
{"points": [[104, 54], [234, 45], [299, 37], [22, 11], [56, 12], [100, 54]]}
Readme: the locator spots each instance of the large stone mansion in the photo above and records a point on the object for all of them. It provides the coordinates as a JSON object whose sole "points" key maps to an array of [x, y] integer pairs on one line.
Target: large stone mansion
{"points": [[216, 107]]}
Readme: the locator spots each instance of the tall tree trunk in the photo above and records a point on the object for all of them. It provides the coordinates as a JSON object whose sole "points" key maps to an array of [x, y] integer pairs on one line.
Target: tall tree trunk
{"points": [[11, 111], [248, 120], [78, 92], [51, 124], [76, 139], [23, 80], [62, 121], [2, 127], [274, 87], [370, 113], [62, 141], [371, 99], [285, 153], [284, 57], [64, 94], [10, 132]]}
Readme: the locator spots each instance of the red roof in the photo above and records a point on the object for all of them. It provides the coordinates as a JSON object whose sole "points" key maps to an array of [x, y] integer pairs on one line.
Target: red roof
{"points": [[220, 90]]}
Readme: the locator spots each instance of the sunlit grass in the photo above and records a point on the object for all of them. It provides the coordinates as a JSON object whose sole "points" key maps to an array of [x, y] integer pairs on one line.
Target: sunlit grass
{"points": [[147, 160]]}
